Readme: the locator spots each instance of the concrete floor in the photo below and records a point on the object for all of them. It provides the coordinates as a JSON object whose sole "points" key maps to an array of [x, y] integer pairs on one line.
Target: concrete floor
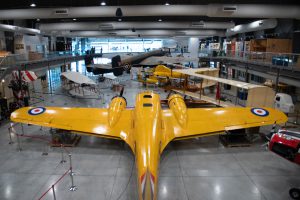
{"points": [[197, 169]]}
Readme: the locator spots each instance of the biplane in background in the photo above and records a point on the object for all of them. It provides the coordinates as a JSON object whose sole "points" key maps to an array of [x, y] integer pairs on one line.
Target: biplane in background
{"points": [[171, 79], [230, 93]]}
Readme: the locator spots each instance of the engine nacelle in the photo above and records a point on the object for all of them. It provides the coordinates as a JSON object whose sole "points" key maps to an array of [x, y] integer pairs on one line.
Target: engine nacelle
{"points": [[178, 107], [116, 106]]}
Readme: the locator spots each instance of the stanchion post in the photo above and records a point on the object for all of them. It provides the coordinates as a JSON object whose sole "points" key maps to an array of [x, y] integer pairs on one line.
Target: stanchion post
{"points": [[62, 154], [22, 128], [45, 152], [71, 167], [9, 133], [53, 191], [19, 145], [73, 187]]}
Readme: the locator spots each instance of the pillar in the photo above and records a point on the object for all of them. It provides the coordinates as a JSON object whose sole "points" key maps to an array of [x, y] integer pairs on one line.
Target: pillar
{"points": [[193, 49]]}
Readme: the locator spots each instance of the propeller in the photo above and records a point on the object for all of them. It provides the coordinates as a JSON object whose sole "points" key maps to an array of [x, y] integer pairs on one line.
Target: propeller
{"points": [[122, 91], [121, 94]]}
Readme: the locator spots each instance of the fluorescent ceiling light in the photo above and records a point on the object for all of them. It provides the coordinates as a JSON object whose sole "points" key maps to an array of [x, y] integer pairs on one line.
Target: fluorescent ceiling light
{"points": [[103, 3], [167, 4], [74, 19], [160, 20], [33, 5], [119, 19]]}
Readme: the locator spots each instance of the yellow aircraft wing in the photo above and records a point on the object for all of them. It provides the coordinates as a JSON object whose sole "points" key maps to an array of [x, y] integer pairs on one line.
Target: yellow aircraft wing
{"points": [[88, 121], [201, 122]]}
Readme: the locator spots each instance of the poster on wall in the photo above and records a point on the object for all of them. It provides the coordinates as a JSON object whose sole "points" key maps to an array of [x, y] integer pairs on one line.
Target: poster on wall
{"points": [[19, 42], [214, 46]]}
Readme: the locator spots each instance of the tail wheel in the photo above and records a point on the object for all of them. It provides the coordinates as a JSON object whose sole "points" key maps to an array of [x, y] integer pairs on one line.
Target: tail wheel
{"points": [[295, 193]]}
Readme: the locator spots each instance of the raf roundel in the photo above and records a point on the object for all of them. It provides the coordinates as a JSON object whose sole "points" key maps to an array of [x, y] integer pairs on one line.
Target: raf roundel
{"points": [[36, 111], [260, 112]]}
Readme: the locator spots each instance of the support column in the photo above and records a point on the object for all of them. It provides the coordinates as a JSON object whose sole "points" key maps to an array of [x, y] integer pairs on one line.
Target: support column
{"points": [[193, 49]]}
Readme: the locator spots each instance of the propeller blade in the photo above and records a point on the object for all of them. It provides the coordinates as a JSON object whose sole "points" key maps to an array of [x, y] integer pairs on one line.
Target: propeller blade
{"points": [[122, 91]]}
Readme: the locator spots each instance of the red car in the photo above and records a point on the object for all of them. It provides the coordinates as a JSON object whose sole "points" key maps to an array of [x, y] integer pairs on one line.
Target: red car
{"points": [[287, 144]]}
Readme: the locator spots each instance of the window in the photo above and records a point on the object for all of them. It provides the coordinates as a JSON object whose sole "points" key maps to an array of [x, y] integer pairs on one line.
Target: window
{"points": [[147, 96], [147, 105]]}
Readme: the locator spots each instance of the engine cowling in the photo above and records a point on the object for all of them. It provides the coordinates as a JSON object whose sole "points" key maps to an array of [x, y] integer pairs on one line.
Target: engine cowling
{"points": [[178, 107], [116, 106]]}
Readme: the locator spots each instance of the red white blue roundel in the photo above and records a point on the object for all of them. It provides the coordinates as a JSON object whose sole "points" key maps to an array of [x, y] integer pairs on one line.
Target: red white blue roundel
{"points": [[36, 111], [260, 112]]}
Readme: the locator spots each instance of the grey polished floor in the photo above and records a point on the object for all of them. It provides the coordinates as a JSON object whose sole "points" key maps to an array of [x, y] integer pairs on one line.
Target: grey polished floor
{"points": [[197, 169]]}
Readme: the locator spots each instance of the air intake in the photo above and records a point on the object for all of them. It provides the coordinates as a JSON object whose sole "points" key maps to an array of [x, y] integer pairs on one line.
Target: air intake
{"points": [[179, 33], [106, 26], [229, 8], [112, 34], [62, 11], [200, 24]]}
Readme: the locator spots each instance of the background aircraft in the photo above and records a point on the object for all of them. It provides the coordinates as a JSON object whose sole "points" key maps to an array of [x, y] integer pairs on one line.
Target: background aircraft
{"points": [[117, 65], [78, 84], [147, 128]]}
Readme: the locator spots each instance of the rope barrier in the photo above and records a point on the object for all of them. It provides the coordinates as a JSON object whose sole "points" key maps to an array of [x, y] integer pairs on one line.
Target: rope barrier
{"points": [[43, 195], [70, 169]]}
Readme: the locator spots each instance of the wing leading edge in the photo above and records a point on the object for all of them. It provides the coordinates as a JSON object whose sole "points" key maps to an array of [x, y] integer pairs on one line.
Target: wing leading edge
{"points": [[87, 121], [209, 121]]}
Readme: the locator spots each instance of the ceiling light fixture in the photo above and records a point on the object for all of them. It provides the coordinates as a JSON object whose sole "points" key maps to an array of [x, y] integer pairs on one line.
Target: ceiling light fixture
{"points": [[103, 3], [37, 19], [33, 5], [167, 4], [119, 19], [74, 19], [159, 20]]}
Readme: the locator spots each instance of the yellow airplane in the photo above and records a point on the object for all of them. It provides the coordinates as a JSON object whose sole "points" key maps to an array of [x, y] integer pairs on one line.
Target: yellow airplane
{"points": [[147, 128], [163, 72]]}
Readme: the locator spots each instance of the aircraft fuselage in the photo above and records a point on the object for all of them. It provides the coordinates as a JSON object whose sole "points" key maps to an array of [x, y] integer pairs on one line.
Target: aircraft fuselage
{"points": [[147, 129]]}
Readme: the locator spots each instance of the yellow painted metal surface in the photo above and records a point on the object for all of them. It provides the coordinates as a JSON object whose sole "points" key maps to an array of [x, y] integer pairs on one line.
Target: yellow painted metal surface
{"points": [[147, 128], [161, 70], [161, 73]]}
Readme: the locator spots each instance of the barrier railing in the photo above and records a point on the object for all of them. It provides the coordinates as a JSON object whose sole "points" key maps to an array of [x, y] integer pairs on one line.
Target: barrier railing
{"points": [[286, 60], [21, 58], [12, 130]]}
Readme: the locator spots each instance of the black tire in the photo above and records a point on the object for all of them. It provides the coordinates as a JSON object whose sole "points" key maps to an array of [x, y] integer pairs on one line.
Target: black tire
{"points": [[294, 193]]}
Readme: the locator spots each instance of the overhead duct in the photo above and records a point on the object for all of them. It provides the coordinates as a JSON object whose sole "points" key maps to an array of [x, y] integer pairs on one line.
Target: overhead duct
{"points": [[253, 26], [142, 33], [94, 26], [210, 10], [18, 29]]}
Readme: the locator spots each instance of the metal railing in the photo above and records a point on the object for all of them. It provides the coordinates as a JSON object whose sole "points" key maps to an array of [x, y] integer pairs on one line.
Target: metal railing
{"points": [[23, 58], [284, 60]]}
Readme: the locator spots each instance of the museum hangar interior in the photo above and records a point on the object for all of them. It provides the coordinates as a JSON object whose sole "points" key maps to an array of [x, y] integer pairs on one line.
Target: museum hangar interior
{"points": [[186, 100]]}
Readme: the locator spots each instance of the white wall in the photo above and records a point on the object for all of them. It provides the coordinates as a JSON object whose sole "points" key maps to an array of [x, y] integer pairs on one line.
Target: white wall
{"points": [[25, 43]]}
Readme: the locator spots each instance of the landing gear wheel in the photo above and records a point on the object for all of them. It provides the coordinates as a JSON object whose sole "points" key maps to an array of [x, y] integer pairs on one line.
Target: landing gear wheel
{"points": [[290, 154], [294, 193]]}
